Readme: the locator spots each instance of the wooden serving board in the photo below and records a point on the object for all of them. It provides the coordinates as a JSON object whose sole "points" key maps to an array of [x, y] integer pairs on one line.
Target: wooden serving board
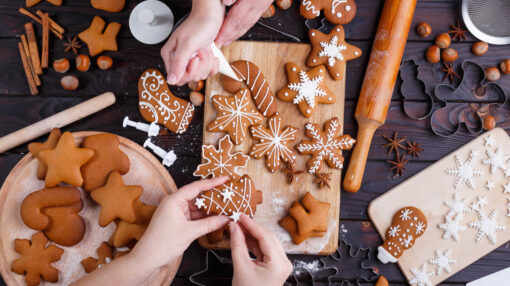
{"points": [[271, 58], [428, 191], [145, 171]]}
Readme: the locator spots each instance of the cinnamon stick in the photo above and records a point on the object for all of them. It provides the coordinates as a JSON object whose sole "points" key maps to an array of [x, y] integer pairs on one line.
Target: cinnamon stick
{"points": [[53, 24], [27, 53], [35, 18], [32, 47], [45, 41], [28, 73]]}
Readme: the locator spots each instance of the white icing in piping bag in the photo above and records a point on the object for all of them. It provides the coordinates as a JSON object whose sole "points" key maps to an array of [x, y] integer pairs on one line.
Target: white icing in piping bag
{"points": [[225, 67]]}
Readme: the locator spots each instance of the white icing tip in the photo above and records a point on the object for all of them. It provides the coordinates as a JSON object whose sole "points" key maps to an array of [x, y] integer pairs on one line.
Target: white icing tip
{"points": [[384, 256]]}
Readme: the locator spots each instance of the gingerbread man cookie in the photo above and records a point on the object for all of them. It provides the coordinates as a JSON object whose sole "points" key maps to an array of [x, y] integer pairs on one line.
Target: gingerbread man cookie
{"points": [[64, 162], [36, 147], [36, 258], [336, 11], [158, 104], [306, 89], [107, 158], [231, 199], [332, 51], [235, 115], [273, 143], [221, 161], [116, 200], [127, 232], [325, 145], [97, 40], [104, 256]]}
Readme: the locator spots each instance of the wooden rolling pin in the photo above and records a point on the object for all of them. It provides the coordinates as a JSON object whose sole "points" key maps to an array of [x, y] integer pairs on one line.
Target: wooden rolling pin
{"points": [[375, 97], [60, 119]]}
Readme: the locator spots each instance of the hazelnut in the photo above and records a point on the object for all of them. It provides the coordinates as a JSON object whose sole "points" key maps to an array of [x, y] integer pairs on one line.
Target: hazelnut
{"points": [[505, 66], [489, 122], [284, 4], [492, 74], [269, 12], [423, 29], [443, 40], [82, 63], [449, 55], [104, 62], [196, 85], [69, 82], [433, 54], [196, 98], [480, 48], [61, 65]]}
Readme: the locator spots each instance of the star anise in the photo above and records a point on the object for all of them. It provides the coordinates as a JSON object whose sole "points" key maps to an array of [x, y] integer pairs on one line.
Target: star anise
{"points": [[394, 143], [290, 172], [399, 165], [414, 149], [449, 72], [322, 179], [457, 32], [72, 44]]}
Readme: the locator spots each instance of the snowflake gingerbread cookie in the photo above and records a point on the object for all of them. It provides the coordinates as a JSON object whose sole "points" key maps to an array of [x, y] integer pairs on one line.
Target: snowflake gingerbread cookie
{"points": [[306, 89], [335, 11], [273, 143], [221, 161], [332, 51], [465, 172], [407, 225], [234, 115], [325, 145]]}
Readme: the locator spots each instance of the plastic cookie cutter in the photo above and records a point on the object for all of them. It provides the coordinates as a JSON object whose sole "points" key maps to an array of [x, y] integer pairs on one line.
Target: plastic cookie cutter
{"points": [[417, 102], [168, 157], [151, 129]]}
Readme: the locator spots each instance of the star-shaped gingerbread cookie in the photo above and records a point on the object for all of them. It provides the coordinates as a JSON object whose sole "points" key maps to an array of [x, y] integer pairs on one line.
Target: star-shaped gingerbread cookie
{"points": [[332, 51], [37, 147], [306, 89], [336, 11], [64, 162], [311, 215], [97, 40], [127, 232], [116, 200], [234, 115]]}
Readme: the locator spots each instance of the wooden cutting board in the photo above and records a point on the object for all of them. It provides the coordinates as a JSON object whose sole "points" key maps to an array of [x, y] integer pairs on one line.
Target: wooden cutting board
{"points": [[271, 58], [145, 171], [430, 189]]}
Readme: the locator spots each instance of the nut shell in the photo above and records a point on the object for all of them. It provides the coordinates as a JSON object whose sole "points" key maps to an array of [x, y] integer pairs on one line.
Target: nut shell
{"points": [[104, 62], [492, 74], [505, 66], [449, 55], [196, 85], [196, 98], [443, 40], [433, 54], [82, 62], [480, 48], [489, 122], [61, 65], [69, 82], [283, 4], [269, 12], [423, 30]]}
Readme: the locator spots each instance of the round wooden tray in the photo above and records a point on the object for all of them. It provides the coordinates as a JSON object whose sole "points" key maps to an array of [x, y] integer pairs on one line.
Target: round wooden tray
{"points": [[145, 171]]}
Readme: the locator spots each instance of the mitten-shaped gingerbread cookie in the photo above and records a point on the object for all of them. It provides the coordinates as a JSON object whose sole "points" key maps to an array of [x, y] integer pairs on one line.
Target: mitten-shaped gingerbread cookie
{"points": [[407, 225]]}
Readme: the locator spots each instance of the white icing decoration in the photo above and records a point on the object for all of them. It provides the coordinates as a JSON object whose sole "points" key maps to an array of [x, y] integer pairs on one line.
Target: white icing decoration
{"points": [[457, 206], [408, 241], [332, 50], [490, 185], [479, 203], [465, 171], [307, 89], [384, 256], [487, 226], [442, 261], [235, 216], [489, 140], [404, 214], [347, 8], [452, 228], [199, 203], [496, 160], [394, 230], [421, 276], [420, 227], [256, 93], [506, 188], [227, 195], [310, 7], [334, 5]]}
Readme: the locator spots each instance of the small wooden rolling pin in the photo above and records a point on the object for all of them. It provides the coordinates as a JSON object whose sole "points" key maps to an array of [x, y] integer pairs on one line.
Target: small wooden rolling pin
{"points": [[375, 97], [60, 119]]}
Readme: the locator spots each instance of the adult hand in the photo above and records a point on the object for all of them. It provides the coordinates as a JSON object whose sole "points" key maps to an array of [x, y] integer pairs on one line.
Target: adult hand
{"points": [[241, 17], [272, 266]]}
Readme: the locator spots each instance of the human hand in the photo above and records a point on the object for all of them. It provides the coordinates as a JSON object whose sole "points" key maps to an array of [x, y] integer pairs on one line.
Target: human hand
{"points": [[241, 17], [187, 53], [272, 266]]}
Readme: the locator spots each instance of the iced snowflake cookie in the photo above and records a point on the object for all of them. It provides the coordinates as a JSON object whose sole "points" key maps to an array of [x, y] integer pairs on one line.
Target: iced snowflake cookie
{"points": [[234, 115], [231, 199], [407, 225], [273, 143], [306, 89], [332, 51], [221, 161], [336, 11], [487, 226], [325, 145], [421, 276], [442, 261], [464, 171], [158, 104]]}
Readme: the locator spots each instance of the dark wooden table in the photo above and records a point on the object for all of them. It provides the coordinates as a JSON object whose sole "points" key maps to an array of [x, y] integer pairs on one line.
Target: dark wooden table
{"points": [[18, 109]]}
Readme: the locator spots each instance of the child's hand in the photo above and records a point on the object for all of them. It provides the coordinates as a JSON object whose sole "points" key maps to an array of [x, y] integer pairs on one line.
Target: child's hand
{"points": [[241, 17], [187, 54], [177, 223], [272, 266]]}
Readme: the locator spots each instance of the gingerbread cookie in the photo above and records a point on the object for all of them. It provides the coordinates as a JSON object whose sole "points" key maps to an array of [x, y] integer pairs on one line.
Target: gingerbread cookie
{"points": [[221, 161], [310, 215], [235, 115], [30, 3], [158, 104], [97, 40], [36, 258], [231, 199], [217, 235], [35, 148], [116, 200], [407, 225], [256, 82], [306, 89], [335, 11], [104, 256], [66, 227], [290, 225], [325, 145], [273, 143], [127, 232], [64, 162], [332, 51], [112, 6], [107, 158], [119, 254]]}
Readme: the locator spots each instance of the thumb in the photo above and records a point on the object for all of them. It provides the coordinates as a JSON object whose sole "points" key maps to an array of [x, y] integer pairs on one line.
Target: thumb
{"points": [[179, 61], [209, 224], [240, 255]]}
